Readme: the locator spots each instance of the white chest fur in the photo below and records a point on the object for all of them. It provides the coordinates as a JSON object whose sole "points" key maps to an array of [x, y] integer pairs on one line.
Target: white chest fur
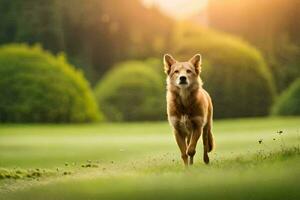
{"points": [[184, 95]]}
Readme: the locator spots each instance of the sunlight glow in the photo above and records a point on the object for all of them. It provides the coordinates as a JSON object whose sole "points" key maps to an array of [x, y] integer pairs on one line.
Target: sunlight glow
{"points": [[179, 9]]}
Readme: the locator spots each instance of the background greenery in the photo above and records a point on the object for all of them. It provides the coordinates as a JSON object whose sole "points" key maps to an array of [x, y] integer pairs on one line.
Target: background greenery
{"points": [[270, 25], [94, 34], [289, 101], [38, 87], [245, 70], [132, 91]]}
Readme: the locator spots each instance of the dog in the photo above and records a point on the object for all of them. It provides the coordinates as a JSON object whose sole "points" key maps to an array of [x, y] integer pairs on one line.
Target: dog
{"points": [[189, 107]]}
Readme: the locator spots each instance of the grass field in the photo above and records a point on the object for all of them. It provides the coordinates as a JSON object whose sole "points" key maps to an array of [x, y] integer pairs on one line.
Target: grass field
{"points": [[142, 161]]}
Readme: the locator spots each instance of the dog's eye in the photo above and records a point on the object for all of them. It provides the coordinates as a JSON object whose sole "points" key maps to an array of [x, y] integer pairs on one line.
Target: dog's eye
{"points": [[176, 71], [188, 71]]}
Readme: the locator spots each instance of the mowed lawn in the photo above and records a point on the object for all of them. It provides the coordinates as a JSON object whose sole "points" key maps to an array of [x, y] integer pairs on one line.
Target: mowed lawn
{"points": [[254, 159]]}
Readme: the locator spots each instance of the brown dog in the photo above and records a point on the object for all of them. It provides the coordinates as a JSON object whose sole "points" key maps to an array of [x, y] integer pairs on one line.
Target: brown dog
{"points": [[189, 106]]}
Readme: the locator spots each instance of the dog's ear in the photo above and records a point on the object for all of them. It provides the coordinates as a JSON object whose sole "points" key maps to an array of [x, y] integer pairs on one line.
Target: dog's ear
{"points": [[196, 62], [168, 62]]}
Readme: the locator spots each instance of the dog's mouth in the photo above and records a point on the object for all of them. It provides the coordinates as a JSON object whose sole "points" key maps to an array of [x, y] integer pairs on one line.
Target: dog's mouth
{"points": [[183, 83]]}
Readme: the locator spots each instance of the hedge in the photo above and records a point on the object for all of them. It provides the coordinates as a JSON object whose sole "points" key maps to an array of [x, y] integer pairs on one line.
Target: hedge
{"points": [[132, 91], [288, 103], [36, 86]]}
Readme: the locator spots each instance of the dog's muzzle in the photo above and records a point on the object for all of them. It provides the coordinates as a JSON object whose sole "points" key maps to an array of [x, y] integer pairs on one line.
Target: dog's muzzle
{"points": [[183, 80]]}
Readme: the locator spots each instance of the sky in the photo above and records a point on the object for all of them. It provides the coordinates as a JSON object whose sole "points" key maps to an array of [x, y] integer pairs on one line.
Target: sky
{"points": [[179, 9]]}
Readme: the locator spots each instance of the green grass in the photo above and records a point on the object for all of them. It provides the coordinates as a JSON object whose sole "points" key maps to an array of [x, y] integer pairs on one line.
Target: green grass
{"points": [[142, 161]]}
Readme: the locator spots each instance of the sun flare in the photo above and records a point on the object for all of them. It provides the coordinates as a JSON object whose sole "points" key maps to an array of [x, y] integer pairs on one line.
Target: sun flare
{"points": [[179, 9]]}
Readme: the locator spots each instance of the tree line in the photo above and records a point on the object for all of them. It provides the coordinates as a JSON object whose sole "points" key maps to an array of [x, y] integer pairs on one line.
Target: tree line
{"points": [[273, 26], [94, 34]]}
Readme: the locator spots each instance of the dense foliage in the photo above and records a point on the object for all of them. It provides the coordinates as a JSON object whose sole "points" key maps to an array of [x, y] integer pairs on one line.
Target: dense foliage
{"points": [[96, 34], [271, 25], [93, 33], [234, 73], [36, 86], [288, 102], [132, 91]]}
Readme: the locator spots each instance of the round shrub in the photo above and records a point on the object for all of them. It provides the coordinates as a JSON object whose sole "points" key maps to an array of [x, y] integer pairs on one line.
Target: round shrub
{"points": [[157, 65], [36, 86], [132, 91], [288, 102], [234, 73]]}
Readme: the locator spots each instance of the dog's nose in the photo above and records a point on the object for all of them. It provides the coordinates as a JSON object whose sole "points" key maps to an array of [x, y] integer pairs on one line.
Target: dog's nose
{"points": [[182, 78]]}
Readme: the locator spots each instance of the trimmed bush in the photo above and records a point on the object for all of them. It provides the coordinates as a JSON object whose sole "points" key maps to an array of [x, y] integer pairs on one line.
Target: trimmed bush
{"points": [[132, 91], [157, 65], [288, 102], [36, 86], [234, 73]]}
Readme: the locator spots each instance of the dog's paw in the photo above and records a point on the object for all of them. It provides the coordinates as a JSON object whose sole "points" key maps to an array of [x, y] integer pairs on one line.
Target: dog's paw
{"points": [[206, 159]]}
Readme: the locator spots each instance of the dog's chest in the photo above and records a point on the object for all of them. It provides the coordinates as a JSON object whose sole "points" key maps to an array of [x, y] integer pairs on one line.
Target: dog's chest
{"points": [[186, 123], [184, 98]]}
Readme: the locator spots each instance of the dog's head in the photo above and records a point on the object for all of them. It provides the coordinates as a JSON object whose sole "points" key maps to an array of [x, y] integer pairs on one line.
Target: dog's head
{"points": [[182, 74]]}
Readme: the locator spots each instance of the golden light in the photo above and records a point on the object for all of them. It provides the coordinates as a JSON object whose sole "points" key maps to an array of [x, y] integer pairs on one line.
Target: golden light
{"points": [[179, 9]]}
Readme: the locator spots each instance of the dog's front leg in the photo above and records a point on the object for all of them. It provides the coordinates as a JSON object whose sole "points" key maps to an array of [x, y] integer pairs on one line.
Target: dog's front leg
{"points": [[191, 150], [180, 139], [197, 131]]}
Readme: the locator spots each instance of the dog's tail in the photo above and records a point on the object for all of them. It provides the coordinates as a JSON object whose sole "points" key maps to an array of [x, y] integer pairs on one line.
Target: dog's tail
{"points": [[208, 138], [211, 141]]}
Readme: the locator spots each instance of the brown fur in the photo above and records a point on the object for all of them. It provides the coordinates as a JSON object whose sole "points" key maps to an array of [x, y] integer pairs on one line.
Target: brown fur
{"points": [[189, 107]]}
